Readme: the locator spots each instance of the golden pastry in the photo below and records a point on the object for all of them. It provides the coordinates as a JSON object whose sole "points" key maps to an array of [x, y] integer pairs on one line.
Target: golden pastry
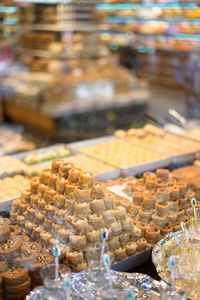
{"points": [[97, 206], [162, 208], [60, 185], [82, 210]]}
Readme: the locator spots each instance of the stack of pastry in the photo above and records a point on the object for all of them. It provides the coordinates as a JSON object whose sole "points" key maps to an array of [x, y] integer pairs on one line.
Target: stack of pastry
{"points": [[159, 203], [65, 205]]}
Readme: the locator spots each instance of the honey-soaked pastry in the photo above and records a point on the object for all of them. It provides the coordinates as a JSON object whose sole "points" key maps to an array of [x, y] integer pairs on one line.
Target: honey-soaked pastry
{"points": [[56, 164], [190, 195], [153, 234], [97, 190], [127, 225], [55, 228], [96, 221], [129, 188], [36, 231], [41, 190], [131, 248], [163, 174], [183, 202], [23, 207], [21, 220], [182, 189], [81, 226], [50, 211], [134, 210], [177, 227], [180, 214], [31, 247], [144, 215], [73, 175], [65, 168], [34, 200], [69, 206], [17, 291], [3, 266], [136, 234], [166, 229], [109, 202], [161, 184], [79, 267], [82, 210], [137, 198], [4, 233], [141, 225], [86, 180], [97, 206], [81, 194], [14, 276], [15, 230], [174, 193], [93, 236], [16, 205], [150, 183], [172, 217], [162, 208], [142, 245], [147, 175], [63, 235], [108, 217], [60, 185], [163, 194], [24, 260], [10, 248], [124, 238], [59, 216], [120, 254], [45, 238], [13, 216], [174, 205], [25, 196], [41, 205], [120, 213], [75, 257], [34, 183], [52, 181], [39, 218], [44, 176], [29, 227], [148, 202], [116, 229], [159, 221], [77, 242], [43, 259], [49, 196], [114, 243], [59, 201]]}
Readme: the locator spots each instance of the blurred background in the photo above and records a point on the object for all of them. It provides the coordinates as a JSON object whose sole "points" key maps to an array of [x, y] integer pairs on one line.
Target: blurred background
{"points": [[72, 70]]}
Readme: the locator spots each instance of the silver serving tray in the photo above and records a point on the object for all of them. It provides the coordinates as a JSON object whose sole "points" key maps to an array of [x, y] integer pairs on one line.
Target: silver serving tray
{"points": [[133, 261], [90, 142], [6, 205]]}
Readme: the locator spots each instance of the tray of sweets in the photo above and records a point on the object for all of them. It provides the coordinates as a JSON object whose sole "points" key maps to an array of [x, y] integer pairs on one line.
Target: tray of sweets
{"points": [[90, 142]]}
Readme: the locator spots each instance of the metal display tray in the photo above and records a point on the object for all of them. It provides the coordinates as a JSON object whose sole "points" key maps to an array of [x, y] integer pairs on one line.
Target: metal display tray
{"points": [[90, 142], [132, 261], [183, 158], [6, 205]]}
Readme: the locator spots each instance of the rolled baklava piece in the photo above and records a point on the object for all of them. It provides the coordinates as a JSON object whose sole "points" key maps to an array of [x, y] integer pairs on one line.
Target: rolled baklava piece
{"points": [[137, 198], [109, 217], [159, 221], [96, 221], [134, 210], [4, 233], [73, 175], [166, 229], [93, 236], [142, 245], [74, 257], [49, 196], [31, 213], [21, 221], [34, 200], [148, 175], [183, 202], [127, 225], [120, 213], [81, 194], [172, 217], [80, 226], [152, 234], [86, 180], [16, 205], [56, 164], [65, 168], [41, 190], [124, 238], [36, 232], [148, 202], [144, 215], [97, 206], [41, 205], [52, 181], [23, 207], [180, 214], [150, 183], [177, 227], [29, 227], [10, 248], [55, 228], [182, 189], [116, 229], [97, 190], [15, 230], [131, 248], [163, 174], [163, 194], [173, 205], [47, 224], [59, 216], [60, 185], [34, 183], [174, 193], [50, 211], [25, 196], [136, 234], [59, 201], [77, 242], [120, 254], [82, 210], [129, 188], [13, 217], [80, 267], [45, 237], [39, 217], [44, 176], [162, 208], [63, 235], [69, 206], [109, 201], [141, 225], [114, 243]]}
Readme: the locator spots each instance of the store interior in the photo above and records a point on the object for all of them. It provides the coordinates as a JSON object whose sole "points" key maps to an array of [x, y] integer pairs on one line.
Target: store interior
{"points": [[99, 149]]}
